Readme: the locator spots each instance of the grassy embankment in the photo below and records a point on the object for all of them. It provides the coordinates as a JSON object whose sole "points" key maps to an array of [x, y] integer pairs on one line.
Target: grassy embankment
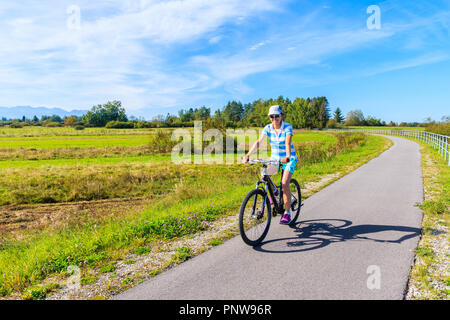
{"points": [[186, 199], [429, 277]]}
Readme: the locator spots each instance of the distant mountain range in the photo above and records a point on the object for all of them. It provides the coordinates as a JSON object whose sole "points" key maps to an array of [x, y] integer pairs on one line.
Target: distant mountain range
{"points": [[29, 112]]}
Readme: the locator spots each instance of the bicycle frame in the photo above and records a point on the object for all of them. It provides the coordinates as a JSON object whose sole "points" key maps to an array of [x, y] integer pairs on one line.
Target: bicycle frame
{"points": [[268, 191]]}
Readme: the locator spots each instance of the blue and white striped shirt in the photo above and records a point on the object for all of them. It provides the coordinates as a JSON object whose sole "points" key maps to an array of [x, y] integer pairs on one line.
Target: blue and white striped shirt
{"points": [[278, 142]]}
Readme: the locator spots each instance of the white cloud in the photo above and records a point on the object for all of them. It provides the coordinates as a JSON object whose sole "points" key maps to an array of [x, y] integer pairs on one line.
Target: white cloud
{"points": [[215, 39], [313, 45], [421, 60], [44, 60], [133, 50], [260, 44], [283, 52]]}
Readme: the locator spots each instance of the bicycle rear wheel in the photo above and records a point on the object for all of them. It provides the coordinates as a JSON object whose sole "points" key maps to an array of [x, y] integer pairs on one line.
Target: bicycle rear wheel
{"points": [[254, 218], [296, 200]]}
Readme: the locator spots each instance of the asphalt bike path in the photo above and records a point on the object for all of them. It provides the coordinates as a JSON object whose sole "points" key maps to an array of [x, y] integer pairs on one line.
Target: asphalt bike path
{"points": [[354, 239]]}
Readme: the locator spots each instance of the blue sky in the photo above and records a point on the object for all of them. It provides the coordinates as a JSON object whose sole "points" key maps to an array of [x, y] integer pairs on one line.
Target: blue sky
{"points": [[161, 56]]}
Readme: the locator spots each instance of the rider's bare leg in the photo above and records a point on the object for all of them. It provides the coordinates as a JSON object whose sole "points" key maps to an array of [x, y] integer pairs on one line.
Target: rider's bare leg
{"points": [[285, 181]]}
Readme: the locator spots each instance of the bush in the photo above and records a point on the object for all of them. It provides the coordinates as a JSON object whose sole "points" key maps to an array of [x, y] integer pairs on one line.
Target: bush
{"points": [[16, 125], [106, 269], [316, 151], [79, 127], [70, 121], [439, 128], [39, 293], [433, 207], [119, 125], [142, 250], [162, 142], [143, 124], [182, 254], [53, 124], [331, 123]]}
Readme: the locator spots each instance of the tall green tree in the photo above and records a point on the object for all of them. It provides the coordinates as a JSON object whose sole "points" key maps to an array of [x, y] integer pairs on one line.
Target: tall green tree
{"points": [[354, 118], [202, 113], [101, 114], [320, 112], [338, 115], [299, 114], [248, 109], [233, 112], [372, 121], [258, 117], [186, 115]]}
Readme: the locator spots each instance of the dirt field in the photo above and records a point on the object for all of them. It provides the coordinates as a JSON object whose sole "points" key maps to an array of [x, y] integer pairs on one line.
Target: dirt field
{"points": [[21, 218]]}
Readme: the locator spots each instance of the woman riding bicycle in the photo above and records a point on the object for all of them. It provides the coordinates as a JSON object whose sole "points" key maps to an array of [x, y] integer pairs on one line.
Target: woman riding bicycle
{"points": [[282, 149]]}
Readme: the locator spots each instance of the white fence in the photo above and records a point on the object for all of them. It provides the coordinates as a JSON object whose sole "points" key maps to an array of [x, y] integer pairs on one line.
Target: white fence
{"points": [[438, 141]]}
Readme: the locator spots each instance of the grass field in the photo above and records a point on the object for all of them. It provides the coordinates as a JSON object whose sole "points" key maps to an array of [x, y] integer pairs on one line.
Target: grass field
{"points": [[41, 237], [83, 161], [71, 142], [303, 136], [68, 131], [429, 278]]}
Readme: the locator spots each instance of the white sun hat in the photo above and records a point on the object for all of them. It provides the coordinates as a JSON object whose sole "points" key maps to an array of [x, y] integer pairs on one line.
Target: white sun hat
{"points": [[276, 109]]}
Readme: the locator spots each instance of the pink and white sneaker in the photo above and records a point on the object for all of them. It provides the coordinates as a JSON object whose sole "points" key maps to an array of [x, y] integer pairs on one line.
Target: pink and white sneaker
{"points": [[286, 219]]}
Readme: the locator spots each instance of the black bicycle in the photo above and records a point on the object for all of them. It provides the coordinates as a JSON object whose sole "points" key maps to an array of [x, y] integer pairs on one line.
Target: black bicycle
{"points": [[255, 213]]}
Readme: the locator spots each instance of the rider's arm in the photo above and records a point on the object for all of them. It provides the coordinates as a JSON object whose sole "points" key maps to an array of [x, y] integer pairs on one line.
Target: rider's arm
{"points": [[254, 147], [288, 146]]}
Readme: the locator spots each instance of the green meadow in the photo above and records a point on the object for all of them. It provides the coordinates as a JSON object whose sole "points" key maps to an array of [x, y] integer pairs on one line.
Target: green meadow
{"points": [[37, 131], [71, 142]]}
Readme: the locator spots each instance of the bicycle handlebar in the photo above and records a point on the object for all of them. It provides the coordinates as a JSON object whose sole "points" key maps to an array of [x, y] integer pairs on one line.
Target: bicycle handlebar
{"points": [[274, 162]]}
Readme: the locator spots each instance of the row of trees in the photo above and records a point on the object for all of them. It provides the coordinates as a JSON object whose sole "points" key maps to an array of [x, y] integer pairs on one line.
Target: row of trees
{"points": [[301, 113], [98, 116], [53, 118]]}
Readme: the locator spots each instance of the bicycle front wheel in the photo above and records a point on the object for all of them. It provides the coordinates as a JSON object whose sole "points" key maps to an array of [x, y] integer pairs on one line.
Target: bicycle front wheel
{"points": [[254, 217]]}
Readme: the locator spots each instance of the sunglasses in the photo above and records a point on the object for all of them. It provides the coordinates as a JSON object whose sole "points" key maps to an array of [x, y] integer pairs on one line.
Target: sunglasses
{"points": [[274, 116]]}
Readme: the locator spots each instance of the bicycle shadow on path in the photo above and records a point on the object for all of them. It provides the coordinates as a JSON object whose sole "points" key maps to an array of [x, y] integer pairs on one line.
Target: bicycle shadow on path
{"points": [[316, 234]]}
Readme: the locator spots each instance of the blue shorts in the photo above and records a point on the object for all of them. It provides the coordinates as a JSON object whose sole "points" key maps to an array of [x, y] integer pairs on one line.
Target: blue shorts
{"points": [[290, 166]]}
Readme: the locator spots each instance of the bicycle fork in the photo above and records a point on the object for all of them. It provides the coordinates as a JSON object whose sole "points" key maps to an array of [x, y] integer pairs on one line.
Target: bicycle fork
{"points": [[261, 214]]}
